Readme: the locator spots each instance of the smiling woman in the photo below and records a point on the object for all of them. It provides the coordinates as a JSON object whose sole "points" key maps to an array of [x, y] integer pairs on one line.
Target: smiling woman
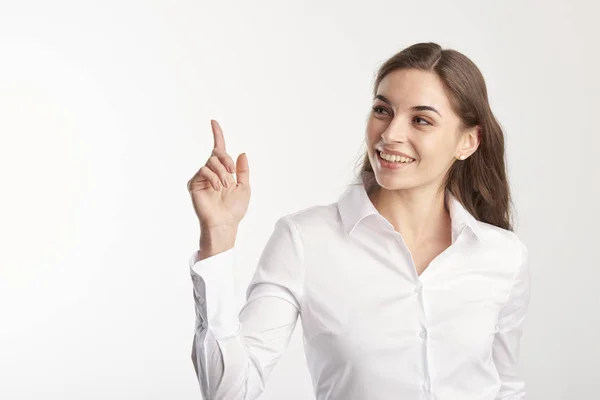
{"points": [[412, 285], [432, 105]]}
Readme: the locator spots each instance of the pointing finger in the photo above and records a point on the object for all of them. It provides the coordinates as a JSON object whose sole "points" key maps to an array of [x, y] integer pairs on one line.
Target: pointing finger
{"points": [[219, 139]]}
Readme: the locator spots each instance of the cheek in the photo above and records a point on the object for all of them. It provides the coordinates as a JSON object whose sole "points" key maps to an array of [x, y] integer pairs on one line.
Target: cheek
{"points": [[372, 137], [434, 159], [431, 147], [372, 131]]}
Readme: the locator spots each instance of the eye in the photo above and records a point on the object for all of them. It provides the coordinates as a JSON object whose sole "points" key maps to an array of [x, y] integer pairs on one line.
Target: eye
{"points": [[376, 109], [427, 122], [381, 110]]}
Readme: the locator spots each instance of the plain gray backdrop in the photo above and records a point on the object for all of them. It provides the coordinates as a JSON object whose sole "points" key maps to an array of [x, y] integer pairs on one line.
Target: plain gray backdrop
{"points": [[105, 112]]}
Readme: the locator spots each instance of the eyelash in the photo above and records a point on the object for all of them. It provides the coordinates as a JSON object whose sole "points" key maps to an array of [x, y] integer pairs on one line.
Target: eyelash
{"points": [[375, 108]]}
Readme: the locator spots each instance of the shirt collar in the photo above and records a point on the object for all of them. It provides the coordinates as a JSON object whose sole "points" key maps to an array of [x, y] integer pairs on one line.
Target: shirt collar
{"points": [[354, 205]]}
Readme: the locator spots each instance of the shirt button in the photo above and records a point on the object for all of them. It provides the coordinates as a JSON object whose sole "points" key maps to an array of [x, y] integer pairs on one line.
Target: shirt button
{"points": [[425, 388], [423, 334], [418, 286]]}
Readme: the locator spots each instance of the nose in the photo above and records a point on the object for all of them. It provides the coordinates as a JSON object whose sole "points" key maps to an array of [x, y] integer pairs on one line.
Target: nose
{"points": [[394, 133]]}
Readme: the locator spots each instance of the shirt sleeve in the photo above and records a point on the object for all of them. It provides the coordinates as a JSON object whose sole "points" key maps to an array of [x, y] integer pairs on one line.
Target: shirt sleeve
{"points": [[236, 346], [511, 320]]}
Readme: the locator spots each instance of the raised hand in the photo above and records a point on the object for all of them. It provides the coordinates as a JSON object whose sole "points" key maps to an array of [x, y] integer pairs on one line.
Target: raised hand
{"points": [[219, 201]]}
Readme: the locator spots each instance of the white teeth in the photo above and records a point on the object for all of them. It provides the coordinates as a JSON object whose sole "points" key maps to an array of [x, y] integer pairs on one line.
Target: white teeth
{"points": [[395, 158]]}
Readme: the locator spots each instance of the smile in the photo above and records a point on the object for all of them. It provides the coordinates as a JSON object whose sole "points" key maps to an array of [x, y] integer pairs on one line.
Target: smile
{"points": [[393, 161]]}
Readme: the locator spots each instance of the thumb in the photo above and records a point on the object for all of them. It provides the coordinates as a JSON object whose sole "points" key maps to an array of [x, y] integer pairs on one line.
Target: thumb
{"points": [[242, 171]]}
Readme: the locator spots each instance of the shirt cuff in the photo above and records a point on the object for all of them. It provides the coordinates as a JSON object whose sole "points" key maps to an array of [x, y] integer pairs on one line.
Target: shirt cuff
{"points": [[214, 286]]}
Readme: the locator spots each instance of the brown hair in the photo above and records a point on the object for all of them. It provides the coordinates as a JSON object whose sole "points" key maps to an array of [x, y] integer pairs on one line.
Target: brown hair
{"points": [[480, 181]]}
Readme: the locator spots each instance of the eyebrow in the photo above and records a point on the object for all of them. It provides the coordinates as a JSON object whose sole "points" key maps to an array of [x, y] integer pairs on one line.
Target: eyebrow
{"points": [[414, 108]]}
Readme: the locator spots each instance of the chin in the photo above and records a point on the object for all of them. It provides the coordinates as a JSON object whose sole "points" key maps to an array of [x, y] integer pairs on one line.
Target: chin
{"points": [[389, 182]]}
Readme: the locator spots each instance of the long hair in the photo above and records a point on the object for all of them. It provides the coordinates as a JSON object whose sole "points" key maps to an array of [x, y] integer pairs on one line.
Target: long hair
{"points": [[480, 181]]}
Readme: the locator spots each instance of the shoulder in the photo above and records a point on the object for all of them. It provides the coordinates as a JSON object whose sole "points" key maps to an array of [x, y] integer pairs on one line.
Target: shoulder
{"points": [[504, 244], [503, 241], [313, 217], [507, 255]]}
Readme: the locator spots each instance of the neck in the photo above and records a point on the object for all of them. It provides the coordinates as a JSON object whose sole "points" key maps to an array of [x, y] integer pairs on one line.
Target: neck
{"points": [[419, 215]]}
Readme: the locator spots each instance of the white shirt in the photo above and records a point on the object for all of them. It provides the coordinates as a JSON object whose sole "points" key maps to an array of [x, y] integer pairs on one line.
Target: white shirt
{"points": [[373, 329]]}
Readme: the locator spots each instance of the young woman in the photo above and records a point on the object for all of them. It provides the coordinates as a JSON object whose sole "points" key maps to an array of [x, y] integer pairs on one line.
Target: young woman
{"points": [[412, 285]]}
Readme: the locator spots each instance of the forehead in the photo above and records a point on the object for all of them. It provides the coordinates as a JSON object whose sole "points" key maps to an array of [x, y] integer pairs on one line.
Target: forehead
{"points": [[410, 87]]}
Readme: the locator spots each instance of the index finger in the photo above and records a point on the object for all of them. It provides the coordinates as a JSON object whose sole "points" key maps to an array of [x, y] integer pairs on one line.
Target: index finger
{"points": [[219, 139]]}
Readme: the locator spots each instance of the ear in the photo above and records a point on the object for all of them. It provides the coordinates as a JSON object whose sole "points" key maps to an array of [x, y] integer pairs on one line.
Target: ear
{"points": [[468, 142]]}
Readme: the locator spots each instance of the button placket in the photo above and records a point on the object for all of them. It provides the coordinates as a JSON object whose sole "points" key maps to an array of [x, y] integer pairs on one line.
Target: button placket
{"points": [[425, 388], [426, 385]]}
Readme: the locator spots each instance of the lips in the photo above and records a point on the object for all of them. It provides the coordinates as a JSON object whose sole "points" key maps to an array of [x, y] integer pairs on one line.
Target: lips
{"points": [[391, 164], [394, 152], [401, 155]]}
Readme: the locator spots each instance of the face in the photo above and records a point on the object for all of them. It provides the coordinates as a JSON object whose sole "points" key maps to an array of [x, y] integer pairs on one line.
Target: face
{"points": [[411, 114]]}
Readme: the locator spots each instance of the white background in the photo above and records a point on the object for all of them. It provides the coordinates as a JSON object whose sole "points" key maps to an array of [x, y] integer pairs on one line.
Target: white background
{"points": [[105, 111]]}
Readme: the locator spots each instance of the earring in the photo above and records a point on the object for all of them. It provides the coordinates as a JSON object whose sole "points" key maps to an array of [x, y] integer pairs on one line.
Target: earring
{"points": [[462, 157]]}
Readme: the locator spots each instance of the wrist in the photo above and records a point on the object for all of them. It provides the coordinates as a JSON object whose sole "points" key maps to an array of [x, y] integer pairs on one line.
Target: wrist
{"points": [[216, 240]]}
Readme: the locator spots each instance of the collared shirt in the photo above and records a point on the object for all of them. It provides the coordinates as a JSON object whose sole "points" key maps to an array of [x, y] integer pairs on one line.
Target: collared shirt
{"points": [[372, 327]]}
